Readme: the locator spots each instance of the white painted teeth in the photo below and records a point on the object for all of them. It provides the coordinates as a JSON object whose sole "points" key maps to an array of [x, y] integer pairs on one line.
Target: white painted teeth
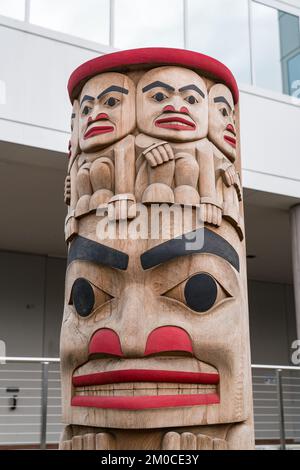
{"points": [[142, 389]]}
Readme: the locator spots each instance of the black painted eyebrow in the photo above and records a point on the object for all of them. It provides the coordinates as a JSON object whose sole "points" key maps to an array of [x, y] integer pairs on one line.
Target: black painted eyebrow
{"points": [[192, 87], [88, 250], [222, 99], [112, 88], [87, 98], [213, 243], [157, 84]]}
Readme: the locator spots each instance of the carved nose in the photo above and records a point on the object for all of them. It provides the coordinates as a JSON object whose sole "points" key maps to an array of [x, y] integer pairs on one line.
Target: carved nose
{"points": [[230, 128], [105, 341], [168, 339]]}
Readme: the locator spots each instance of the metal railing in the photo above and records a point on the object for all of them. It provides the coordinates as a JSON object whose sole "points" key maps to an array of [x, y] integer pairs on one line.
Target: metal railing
{"points": [[30, 413]]}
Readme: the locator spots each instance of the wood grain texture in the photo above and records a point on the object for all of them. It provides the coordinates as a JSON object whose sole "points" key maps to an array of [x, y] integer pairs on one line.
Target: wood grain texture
{"points": [[165, 136]]}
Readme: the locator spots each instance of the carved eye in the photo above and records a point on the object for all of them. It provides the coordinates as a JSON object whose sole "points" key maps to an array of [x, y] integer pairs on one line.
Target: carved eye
{"points": [[86, 297], [224, 112], [191, 99], [159, 96], [86, 110], [111, 102], [200, 292]]}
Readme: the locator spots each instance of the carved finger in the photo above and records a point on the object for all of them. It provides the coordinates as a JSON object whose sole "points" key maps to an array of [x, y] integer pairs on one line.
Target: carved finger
{"points": [[169, 151], [209, 214], [171, 441], [204, 442], [65, 445], [219, 217], [203, 212], [163, 153], [151, 160], [220, 444], [89, 442], [77, 443], [215, 215], [188, 441], [105, 441], [157, 156]]}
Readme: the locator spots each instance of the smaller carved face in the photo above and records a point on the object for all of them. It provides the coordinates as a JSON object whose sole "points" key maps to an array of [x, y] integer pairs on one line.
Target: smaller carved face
{"points": [[221, 129], [172, 104], [73, 143], [107, 111]]}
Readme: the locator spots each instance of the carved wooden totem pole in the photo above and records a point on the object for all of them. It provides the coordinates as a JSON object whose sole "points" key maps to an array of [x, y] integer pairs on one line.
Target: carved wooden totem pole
{"points": [[155, 340]]}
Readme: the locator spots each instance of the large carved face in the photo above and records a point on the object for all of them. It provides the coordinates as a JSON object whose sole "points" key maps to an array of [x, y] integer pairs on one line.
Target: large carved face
{"points": [[221, 129], [107, 110], [172, 104], [153, 332]]}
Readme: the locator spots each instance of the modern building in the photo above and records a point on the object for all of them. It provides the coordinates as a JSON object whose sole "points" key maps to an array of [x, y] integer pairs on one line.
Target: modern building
{"points": [[41, 43]]}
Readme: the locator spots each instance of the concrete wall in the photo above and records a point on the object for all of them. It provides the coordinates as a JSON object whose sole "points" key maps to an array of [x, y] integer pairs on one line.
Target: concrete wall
{"points": [[31, 304]]}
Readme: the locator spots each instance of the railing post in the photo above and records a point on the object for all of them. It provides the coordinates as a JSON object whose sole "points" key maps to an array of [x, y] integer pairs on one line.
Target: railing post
{"points": [[280, 409], [44, 403]]}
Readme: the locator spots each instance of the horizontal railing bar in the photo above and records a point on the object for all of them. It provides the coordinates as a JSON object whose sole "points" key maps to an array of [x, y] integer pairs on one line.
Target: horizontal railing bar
{"points": [[33, 388], [29, 359], [28, 416], [56, 360], [271, 367], [30, 380]]}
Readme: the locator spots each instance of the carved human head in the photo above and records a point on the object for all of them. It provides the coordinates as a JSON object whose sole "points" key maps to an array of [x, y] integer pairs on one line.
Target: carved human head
{"points": [[221, 123], [172, 104], [107, 110]]}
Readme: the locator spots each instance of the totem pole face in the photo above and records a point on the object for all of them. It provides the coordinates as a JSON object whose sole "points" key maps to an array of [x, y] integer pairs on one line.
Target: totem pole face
{"points": [[74, 141], [172, 104], [107, 111], [152, 336], [222, 130]]}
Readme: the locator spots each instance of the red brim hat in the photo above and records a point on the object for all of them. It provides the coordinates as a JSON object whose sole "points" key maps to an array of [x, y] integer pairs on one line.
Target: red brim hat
{"points": [[135, 59]]}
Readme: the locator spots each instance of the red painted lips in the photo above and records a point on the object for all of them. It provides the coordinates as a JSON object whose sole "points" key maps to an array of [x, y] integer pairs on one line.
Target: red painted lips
{"points": [[145, 375], [145, 402], [231, 140], [96, 130], [175, 122]]}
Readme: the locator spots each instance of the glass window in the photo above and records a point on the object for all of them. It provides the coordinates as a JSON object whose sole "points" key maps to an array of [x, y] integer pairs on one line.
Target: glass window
{"points": [[220, 28], [140, 23], [276, 49], [289, 27], [266, 47], [13, 8], [87, 19]]}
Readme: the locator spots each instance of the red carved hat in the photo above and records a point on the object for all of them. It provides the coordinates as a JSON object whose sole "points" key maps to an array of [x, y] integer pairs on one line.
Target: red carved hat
{"points": [[133, 59]]}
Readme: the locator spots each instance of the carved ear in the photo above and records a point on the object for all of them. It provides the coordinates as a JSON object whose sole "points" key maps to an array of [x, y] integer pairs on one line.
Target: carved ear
{"points": [[75, 149]]}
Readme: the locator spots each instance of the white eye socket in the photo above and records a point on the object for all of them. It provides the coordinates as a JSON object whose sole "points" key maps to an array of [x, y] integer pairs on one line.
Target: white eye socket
{"points": [[159, 96], [86, 110], [111, 102], [191, 99]]}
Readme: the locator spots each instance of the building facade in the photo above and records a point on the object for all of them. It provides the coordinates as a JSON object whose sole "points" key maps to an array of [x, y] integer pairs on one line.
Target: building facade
{"points": [[41, 43]]}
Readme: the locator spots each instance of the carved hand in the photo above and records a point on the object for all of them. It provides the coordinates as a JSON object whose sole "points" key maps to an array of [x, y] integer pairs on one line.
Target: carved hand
{"points": [[158, 154], [231, 178], [100, 441], [67, 190], [211, 214], [190, 441]]}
